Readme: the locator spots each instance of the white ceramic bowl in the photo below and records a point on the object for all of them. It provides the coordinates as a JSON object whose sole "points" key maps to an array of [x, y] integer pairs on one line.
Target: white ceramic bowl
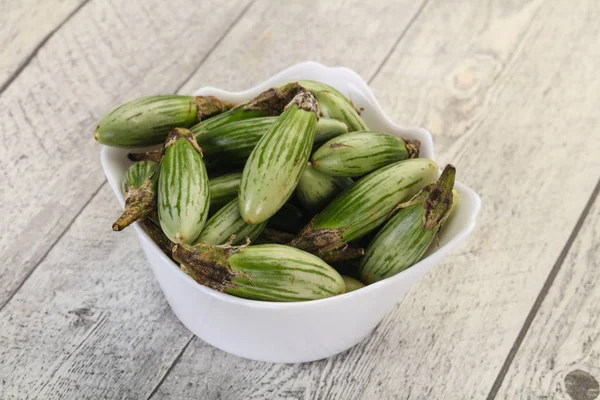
{"points": [[302, 331]]}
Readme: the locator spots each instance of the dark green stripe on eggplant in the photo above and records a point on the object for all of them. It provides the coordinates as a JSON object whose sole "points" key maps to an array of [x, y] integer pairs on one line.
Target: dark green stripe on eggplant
{"points": [[147, 121], [409, 233], [140, 186], [358, 153]]}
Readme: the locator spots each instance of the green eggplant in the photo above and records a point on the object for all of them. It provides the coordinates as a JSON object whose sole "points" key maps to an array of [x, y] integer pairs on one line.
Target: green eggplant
{"points": [[409, 233], [183, 193]]}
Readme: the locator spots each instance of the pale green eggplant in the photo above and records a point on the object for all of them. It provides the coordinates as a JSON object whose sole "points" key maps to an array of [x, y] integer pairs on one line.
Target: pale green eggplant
{"points": [[183, 193], [139, 186], [224, 145], [147, 121], [231, 144], [274, 167], [407, 235], [271, 102], [333, 104], [223, 189], [363, 207], [228, 222], [328, 128], [315, 190], [358, 153], [268, 272], [352, 284]]}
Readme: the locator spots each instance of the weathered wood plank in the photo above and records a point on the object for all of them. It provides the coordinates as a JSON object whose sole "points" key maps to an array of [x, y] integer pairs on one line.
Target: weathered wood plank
{"points": [[355, 34], [24, 26], [91, 322], [115, 354], [102, 57], [560, 356], [495, 83]]}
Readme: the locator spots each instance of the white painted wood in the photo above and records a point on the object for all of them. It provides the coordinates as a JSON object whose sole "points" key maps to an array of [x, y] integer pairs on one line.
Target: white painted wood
{"points": [[23, 26], [560, 356], [91, 322], [355, 34], [115, 353], [509, 91], [108, 53], [496, 84]]}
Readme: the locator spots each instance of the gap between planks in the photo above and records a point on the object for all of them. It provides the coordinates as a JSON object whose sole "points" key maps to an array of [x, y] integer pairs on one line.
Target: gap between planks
{"points": [[542, 295], [32, 55], [397, 42], [539, 299], [377, 70], [54, 244], [95, 193]]}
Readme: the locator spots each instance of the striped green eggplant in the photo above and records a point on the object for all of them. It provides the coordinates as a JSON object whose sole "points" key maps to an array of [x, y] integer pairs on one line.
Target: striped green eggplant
{"points": [[333, 104], [232, 143], [223, 189], [352, 284], [407, 235], [183, 194], [276, 163], [363, 207], [288, 219], [147, 121], [239, 136], [139, 186], [315, 190], [358, 153], [267, 272], [227, 222], [328, 128], [271, 102]]}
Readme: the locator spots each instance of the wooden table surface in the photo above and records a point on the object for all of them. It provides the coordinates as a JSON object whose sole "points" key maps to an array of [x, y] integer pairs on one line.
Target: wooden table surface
{"points": [[510, 91]]}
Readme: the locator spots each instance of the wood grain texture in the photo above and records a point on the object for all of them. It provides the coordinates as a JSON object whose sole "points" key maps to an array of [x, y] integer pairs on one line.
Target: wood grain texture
{"points": [[24, 26], [509, 90], [355, 34], [91, 322], [495, 82], [101, 58], [45, 356], [560, 356]]}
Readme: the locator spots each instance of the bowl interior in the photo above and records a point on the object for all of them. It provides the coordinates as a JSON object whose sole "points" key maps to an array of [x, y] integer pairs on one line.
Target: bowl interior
{"points": [[459, 226]]}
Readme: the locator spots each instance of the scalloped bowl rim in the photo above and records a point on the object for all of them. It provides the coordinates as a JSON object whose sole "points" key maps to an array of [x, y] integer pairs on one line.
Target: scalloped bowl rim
{"points": [[106, 158]]}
